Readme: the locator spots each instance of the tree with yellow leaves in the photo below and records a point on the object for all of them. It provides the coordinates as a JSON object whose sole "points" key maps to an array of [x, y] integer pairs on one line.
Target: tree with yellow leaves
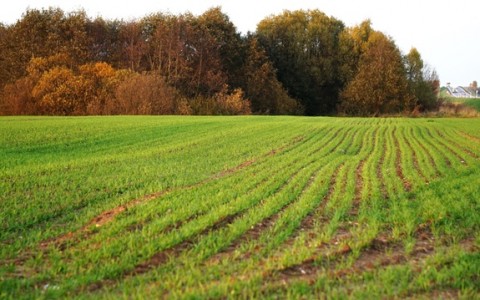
{"points": [[380, 84]]}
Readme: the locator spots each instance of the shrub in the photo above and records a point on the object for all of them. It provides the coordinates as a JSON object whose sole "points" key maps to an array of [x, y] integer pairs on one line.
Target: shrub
{"points": [[146, 94]]}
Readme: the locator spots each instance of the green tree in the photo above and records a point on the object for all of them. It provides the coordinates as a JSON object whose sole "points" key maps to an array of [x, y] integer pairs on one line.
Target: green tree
{"points": [[422, 82], [304, 48], [265, 92], [380, 85], [353, 43], [230, 45]]}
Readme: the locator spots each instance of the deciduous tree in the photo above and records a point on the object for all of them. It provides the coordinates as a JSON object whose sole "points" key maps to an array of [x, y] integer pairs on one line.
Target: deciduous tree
{"points": [[304, 48], [265, 92], [380, 85], [422, 81]]}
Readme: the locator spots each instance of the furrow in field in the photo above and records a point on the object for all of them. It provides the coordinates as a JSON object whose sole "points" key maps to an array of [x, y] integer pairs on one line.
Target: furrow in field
{"points": [[264, 180], [306, 187], [358, 187], [317, 214], [379, 254], [337, 244], [383, 187], [434, 165], [392, 181], [470, 137], [332, 257], [398, 162], [362, 184], [159, 257], [434, 148], [261, 177], [327, 142], [456, 145], [72, 238], [440, 139], [163, 256], [341, 232], [266, 224], [82, 204], [327, 253], [63, 242], [107, 216], [376, 257], [171, 252], [346, 140], [416, 163]]}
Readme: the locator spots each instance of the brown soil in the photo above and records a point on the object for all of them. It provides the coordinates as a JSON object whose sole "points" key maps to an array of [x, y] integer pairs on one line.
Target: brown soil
{"points": [[429, 156], [398, 164], [444, 140], [383, 188], [434, 145], [416, 164], [464, 149], [258, 229], [470, 137], [358, 188], [308, 222]]}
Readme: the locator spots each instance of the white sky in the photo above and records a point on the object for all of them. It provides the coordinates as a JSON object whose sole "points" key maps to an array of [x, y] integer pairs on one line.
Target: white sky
{"points": [[444, 31]]}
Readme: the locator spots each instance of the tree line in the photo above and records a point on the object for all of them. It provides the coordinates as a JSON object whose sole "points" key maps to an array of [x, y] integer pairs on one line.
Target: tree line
{"points": [[297, 62]]}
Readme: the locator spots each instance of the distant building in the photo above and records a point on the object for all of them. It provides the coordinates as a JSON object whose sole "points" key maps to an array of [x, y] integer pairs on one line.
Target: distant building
{"points": [[463, 92]]}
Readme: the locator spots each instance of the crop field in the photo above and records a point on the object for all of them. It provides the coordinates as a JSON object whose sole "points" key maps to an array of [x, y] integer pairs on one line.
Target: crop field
{"points": [[475, 103], [239, 207]]}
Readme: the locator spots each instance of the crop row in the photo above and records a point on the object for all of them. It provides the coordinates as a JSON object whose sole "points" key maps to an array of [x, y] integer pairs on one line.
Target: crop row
{"points": [[243, 206]]}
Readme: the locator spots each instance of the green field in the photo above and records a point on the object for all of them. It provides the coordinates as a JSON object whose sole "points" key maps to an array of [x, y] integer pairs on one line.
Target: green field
{"points": [[474, 102], [239, 207], [468, 102]]}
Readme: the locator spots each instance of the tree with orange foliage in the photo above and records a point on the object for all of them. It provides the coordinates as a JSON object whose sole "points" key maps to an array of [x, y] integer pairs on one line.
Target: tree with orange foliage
{"points": [[380, 85]]}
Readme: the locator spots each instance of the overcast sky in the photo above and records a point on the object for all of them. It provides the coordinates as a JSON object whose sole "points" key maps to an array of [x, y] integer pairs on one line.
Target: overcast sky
{"points": [[445, 32]]}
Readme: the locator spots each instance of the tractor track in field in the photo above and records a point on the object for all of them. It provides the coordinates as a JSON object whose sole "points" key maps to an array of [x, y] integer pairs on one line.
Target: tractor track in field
{"points": [[357, 199], [358, 177]]}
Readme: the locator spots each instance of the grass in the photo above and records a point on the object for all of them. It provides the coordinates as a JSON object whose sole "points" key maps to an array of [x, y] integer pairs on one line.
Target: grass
{"points": [[473, 102], [467, 102], [215, 207]]}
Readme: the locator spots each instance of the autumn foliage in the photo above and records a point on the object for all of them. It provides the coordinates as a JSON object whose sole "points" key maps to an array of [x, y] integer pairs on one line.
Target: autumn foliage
{"points": [[301, 62]]}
